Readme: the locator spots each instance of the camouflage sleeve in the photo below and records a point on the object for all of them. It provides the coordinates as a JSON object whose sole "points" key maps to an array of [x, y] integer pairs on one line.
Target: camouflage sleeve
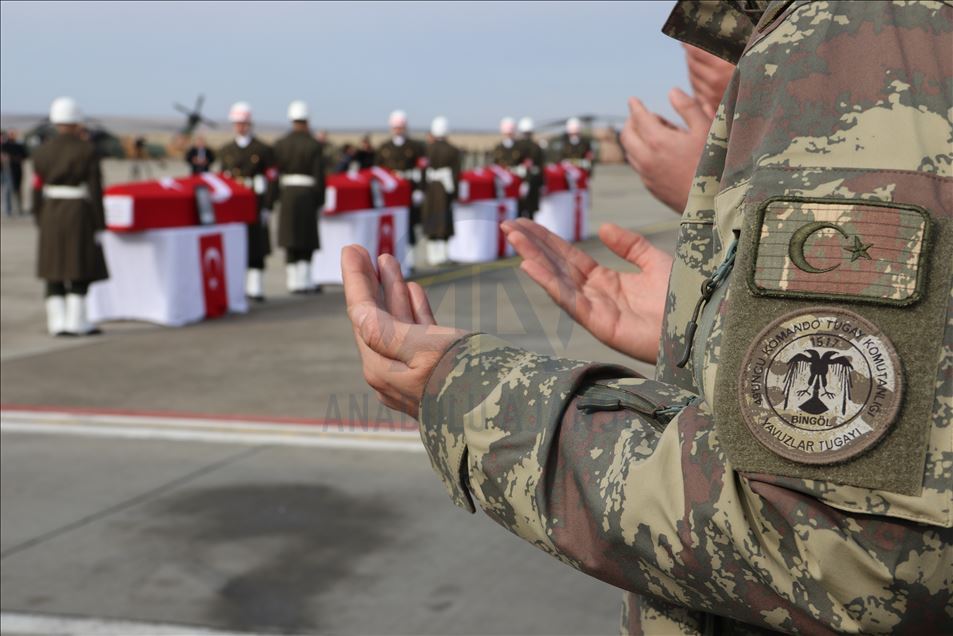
{"points": [[581, 460], [719, 27]]}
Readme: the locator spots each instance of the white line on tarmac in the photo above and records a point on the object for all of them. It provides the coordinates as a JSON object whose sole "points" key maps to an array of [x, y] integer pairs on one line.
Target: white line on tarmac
{"points": [[17, 623], [202, 430]]}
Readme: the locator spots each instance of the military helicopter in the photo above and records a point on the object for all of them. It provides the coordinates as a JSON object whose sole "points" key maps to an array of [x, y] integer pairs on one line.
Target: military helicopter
{"points": [[108, 145], [193, 117]]}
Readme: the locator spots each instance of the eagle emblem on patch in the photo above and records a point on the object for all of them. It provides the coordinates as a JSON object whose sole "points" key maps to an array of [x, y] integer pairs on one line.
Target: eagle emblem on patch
{"points": [[820, 385]]}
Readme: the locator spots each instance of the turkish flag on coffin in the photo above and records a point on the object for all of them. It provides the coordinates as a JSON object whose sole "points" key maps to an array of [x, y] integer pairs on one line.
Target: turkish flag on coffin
{"points": [[357, 192], [150, 205], [212, 254]]}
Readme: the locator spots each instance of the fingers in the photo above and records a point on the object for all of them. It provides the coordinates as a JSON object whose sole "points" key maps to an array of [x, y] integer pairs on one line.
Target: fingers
{"points": [[690, 109], [633, 247], [374, 327], [541, 266], [531, 253], [565, 294], [396, 295], [423, 314], [361, 284], [645, 123], [563, 256], [636, 153], [529, 246], [637, 129]]}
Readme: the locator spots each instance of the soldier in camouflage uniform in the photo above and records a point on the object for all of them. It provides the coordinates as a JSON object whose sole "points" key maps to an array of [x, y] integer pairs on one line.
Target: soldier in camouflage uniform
{"points": [[251, 161], [405, 156], [506, 153], [790, 467]]}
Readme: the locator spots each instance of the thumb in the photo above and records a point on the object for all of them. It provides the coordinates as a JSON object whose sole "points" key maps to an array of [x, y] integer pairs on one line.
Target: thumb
{"points": [[631, 246], [690, 109]]}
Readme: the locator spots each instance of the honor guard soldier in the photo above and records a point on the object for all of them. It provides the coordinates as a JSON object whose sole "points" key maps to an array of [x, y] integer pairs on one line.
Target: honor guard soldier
{"points": [[300, 162], [576, 149], [251, 161], [404, 156], [506, 154], [530, 169], [68, 204], [442, 176]]}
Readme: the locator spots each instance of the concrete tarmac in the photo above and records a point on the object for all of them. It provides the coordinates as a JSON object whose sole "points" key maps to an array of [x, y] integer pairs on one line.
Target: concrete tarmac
{"points": [[268, 537]]}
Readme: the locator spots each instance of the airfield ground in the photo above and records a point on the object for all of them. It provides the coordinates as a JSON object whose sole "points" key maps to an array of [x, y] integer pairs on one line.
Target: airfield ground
{"points": [[160, 480]]}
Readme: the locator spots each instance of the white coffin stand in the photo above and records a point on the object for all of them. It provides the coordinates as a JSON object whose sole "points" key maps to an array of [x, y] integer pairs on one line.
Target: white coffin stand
{"points": [[160, 276]]}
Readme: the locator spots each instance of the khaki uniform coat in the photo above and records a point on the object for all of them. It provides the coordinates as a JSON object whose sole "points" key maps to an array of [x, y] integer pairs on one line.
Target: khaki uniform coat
{"points": [[404, 159], [531, 156], [438, 204], [299, 153], [508, 157], [244, 164], [578, 152], [68, 250]]}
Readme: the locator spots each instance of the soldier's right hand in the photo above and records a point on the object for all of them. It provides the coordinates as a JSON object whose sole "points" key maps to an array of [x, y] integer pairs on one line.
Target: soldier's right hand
{"points": [[622, 310], [663, 154], [709, 76], [397, 336]]}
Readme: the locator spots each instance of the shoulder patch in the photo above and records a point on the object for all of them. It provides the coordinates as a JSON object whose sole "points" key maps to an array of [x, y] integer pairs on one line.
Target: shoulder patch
{"points": [[862, 250], [820, 385]]}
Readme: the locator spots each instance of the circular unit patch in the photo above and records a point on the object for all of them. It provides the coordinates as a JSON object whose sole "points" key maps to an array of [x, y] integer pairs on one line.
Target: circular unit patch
{"points": [[820, 385]]}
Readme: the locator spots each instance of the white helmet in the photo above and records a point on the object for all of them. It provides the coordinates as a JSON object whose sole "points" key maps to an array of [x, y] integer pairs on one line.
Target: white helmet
{"points": [[439, 127], [507, 126], [397, 118], [526, 125], [573, 125], [65, 110], [297, 111], [240, 113]]}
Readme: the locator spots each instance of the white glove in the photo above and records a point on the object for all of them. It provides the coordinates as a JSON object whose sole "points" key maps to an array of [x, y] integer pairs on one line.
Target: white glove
{"points": [[524, 189], [418, 197], [98, 237]]}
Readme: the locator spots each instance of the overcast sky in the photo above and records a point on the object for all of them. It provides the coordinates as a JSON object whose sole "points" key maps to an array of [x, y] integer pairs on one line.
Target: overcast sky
{"points": [[353, 62]]}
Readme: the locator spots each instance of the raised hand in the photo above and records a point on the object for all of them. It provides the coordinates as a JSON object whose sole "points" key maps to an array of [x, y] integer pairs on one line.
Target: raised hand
{"points": [[666, 155], [396, 334], [622, 310], [709, 76]]}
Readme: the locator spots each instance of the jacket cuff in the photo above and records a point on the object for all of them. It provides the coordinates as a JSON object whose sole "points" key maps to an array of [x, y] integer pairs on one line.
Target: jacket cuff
{"points": [[442, 410], [721, 28]]}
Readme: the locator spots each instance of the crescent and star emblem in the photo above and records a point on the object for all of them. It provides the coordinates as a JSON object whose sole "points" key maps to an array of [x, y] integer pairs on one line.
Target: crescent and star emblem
{"points": [[857, 248], [212, 259]]}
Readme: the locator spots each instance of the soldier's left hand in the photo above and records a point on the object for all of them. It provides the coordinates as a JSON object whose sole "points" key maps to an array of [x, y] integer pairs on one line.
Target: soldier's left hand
{"points": [[623, 310], [399, 341]]}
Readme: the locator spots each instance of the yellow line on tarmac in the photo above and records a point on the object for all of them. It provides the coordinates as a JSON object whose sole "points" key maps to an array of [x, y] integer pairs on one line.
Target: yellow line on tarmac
{"points": [[479, 268]]}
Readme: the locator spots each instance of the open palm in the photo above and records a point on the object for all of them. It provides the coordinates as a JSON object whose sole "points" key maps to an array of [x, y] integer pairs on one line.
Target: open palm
{"points": [[622, 310]]}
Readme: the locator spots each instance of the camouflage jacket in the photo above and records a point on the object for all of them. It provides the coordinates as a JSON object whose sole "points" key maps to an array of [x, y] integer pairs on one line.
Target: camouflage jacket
{"points": [[795, 474]]}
